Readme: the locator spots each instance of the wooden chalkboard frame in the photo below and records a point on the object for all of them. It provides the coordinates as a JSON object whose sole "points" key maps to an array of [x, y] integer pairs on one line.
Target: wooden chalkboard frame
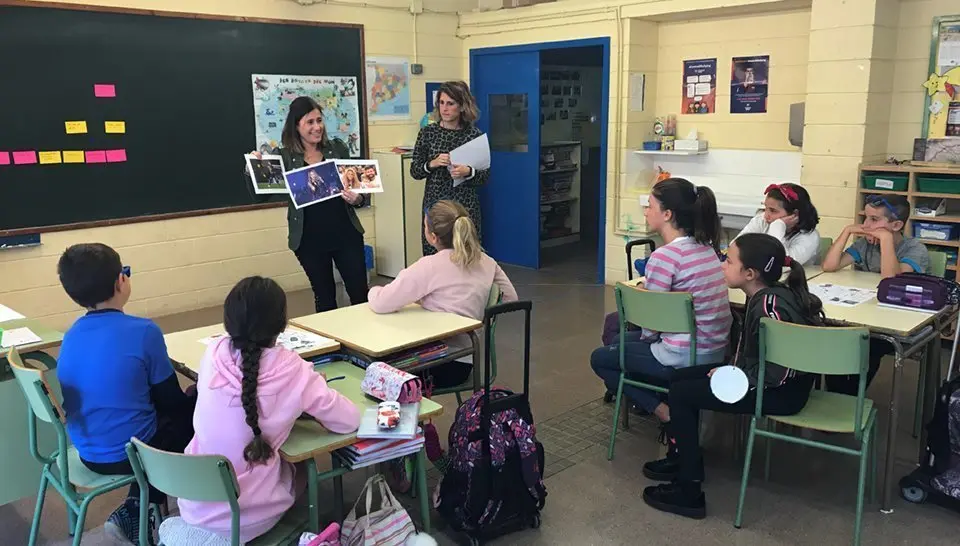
{"points": [[183, 15]]}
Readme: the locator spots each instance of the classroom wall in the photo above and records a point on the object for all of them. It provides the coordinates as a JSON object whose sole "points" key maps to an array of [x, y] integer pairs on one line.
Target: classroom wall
{"points": [[911, 66], [186, 264]]}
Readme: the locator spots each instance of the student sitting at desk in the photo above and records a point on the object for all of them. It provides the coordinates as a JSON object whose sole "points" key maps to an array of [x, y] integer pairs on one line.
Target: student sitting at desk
{"points": [[685, 216], [117, 379], [754, 264], [790, 217], [457, 279], [250, 394], [881, 247]]}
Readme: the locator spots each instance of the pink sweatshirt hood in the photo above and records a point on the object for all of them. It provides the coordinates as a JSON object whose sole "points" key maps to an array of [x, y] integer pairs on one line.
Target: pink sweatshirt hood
{"points": [[277, 368]]}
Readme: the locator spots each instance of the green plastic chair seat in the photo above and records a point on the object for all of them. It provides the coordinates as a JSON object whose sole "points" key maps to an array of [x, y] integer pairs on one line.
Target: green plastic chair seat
{"points": [[829, 412], [84, 478]]}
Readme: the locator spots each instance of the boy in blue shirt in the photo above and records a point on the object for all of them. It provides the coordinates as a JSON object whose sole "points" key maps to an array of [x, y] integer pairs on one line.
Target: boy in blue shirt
{"points": [[880, 247], [116, 377]]}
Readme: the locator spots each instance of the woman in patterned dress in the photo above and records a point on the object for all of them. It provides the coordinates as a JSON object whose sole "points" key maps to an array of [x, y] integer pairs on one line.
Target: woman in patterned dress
{"points": [[454, 115]]}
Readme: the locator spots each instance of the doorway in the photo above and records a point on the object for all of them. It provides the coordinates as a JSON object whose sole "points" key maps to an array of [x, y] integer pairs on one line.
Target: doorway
{"points": [[545, 109]]}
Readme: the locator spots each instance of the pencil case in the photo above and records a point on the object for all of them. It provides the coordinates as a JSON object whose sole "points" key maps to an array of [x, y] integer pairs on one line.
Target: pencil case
{"points": [[384, 382]]}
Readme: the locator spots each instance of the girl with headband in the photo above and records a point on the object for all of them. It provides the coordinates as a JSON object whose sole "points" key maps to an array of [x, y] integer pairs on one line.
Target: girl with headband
{"points": [[790, 217]]}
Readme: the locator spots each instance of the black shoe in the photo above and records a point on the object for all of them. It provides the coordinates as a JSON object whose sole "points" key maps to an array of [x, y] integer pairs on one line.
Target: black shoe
{"points": [[662, 470], [124, 523], [609, 397], [682, 499]]}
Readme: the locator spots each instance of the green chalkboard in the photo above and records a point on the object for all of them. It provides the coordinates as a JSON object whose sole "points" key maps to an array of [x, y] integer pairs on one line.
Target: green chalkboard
{"points": [[183, 88]]}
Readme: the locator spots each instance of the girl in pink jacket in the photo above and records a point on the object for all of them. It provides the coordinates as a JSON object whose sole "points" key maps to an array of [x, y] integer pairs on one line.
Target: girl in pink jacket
{"points": [[250, 393]]}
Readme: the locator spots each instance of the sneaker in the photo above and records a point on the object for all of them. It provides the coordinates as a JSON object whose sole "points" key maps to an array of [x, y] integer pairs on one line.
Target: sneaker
{"points": [[609, 397], [685, 500], [662, 470], [124, 523]]}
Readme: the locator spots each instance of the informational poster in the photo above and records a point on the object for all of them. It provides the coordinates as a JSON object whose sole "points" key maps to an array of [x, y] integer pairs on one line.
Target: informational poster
{"points": [[337, 96], [388, 88], [749, 80], [699, 87]]}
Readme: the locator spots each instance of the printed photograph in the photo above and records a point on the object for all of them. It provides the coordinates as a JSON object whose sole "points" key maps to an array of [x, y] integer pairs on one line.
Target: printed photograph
{"points": [[360, 176], [313, 184], [266, 173]]}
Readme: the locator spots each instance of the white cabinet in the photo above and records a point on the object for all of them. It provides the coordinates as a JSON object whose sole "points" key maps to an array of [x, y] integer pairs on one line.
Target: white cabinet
{"points": [[398, 215]]}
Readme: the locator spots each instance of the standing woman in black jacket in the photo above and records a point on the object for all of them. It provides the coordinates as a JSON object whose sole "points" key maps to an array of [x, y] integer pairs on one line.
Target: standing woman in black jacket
{"points": [[454, 115], [327, 232]]}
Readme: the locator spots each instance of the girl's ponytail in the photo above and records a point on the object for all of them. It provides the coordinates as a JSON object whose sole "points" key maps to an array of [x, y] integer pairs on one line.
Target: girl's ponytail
{"points": [[466, 243], [707, 222], [810, 305], [451, 223]]}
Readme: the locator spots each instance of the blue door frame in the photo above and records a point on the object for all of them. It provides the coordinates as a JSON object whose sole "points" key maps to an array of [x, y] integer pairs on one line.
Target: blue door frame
{"points": [[604, 117]]}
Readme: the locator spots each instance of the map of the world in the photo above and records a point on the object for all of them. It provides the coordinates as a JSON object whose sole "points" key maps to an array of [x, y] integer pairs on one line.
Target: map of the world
{"points": [[273, 93]]}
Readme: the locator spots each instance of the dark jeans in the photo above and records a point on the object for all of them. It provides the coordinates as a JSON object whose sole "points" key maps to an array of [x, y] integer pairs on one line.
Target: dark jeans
{"points": [[690, 392], [173, 434], [848, 384], [640, 365], [318, 263]]}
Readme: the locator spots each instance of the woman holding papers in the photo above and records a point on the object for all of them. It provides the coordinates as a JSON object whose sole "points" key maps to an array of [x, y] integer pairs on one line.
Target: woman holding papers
{"points": [[329, 231], [454, 115]]}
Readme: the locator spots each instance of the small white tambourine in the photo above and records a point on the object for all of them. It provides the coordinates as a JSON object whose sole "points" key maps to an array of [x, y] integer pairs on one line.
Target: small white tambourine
{"points": [[729, 384]]}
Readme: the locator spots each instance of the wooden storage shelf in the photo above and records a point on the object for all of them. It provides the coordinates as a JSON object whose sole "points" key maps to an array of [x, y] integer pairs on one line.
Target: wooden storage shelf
{"points": [[946, 219], [952, 243]]}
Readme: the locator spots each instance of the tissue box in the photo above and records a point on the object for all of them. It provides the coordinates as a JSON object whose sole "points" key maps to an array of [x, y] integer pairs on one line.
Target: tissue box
{"points": [[687, 145]]}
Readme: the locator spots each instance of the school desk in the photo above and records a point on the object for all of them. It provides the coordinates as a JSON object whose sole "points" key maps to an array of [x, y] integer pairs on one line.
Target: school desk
{"points": [[309, 439], [186, 352], [22, 473], [373, 336]]}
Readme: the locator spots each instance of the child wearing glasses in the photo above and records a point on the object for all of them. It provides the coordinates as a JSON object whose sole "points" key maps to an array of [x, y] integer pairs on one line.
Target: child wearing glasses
{"points": [[789, 216], [880, 247], [117, 379]]}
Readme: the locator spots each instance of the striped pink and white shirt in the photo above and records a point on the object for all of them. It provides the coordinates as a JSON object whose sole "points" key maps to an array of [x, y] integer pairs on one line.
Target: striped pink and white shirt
{"points": [[685, 265]]}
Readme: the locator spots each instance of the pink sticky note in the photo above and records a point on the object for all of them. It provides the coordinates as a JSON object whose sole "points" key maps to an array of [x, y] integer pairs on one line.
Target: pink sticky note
{"points": [[104, 90], [24, 158], [116, 156], [4, 158], [96, 157]]}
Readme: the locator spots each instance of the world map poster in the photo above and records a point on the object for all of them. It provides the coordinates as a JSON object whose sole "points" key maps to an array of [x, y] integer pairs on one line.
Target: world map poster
{"points": [[388, 88], [337, 96]]}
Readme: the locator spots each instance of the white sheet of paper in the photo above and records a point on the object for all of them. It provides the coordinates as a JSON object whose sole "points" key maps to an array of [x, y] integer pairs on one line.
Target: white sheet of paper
{"points": [[9, 314], [19, 336], [294, 340], [844, 296], [729, 384], [475, 153]]}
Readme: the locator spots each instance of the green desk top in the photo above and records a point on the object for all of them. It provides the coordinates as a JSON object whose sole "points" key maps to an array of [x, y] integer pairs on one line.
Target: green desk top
{"points": [[309, 438], [49, 337]]}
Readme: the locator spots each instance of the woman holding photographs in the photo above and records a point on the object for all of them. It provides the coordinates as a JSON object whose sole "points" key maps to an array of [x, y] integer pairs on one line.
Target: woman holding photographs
{"points": [[454, 116], [329, 231]]}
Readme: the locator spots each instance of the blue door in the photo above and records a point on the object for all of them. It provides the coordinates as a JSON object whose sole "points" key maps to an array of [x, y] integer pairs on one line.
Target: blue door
{"points": [[507, 89]]}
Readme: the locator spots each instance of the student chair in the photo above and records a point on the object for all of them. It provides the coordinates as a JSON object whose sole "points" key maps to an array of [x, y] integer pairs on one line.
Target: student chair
{"points": [[467, 386], [938, 268], [670, 312], [202, 478], [62, 469], [825, 244], [819, 351]]}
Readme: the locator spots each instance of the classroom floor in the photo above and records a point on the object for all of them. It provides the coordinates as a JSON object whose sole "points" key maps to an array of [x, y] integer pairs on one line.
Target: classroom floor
{"points": [[808, 500]]}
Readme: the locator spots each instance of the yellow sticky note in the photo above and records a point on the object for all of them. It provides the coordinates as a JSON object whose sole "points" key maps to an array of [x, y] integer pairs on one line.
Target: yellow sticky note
{"points": [[76, 127], [73, 156], [49, 158], [115, 126]]}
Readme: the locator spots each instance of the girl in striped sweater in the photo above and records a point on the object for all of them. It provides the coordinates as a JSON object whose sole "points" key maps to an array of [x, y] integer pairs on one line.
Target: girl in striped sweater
{"points": [[685, 216]]}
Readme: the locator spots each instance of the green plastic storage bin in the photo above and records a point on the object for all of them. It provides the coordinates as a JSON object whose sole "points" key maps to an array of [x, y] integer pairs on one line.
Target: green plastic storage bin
{"points": [[938, 184], [885, 181]]}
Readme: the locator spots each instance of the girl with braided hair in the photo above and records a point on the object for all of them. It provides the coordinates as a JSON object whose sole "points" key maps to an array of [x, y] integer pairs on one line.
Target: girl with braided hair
{"points": [[250, 392]]}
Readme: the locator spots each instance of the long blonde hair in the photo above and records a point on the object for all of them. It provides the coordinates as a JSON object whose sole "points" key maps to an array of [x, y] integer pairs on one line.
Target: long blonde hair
{"points": [[451, 223]]}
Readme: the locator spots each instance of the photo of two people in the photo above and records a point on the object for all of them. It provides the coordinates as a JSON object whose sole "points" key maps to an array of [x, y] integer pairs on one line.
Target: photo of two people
{"points": [[360, 176]]}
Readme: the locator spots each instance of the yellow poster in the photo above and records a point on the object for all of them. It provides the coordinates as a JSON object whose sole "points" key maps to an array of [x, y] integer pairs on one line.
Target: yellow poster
{"points": [[76, 127], [73, 156], [49, 158], [115, 127]]}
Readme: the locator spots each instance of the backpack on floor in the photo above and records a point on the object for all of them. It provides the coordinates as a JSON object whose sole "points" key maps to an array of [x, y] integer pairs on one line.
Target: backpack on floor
{"points": [[495, 476], [943, 440]]}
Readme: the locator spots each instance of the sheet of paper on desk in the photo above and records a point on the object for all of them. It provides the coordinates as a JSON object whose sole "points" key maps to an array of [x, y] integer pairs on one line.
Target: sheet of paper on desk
{"points": [[294, 340], [9, 314], [19, 336], [475, 153], [844, 296]]}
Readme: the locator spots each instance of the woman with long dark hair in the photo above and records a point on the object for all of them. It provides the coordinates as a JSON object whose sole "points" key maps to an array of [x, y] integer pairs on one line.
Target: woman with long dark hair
{"points": [[454, 116], [327, 232]]}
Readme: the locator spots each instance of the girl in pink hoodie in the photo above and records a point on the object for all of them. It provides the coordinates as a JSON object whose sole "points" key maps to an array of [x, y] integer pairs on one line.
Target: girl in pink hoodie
{"points": [[250, 393], [457, 279]]}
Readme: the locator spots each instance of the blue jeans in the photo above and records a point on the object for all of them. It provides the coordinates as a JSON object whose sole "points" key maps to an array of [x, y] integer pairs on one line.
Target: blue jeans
{"points": [[639, 363]]}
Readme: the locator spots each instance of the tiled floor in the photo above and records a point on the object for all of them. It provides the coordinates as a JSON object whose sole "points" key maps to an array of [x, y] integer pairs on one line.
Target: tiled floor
{"points": [[809, 499]]}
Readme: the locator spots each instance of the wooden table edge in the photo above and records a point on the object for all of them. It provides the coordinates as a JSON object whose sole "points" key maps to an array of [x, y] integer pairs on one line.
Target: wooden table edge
{"points": [[370, 352], [32, 348], [344, 443]]}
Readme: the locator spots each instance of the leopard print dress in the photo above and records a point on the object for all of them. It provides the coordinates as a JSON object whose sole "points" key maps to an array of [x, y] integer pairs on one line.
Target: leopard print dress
{"points": [[432, 141]]}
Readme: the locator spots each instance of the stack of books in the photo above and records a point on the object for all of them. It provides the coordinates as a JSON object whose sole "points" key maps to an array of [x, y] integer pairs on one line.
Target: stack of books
{"points": [[371, 451], [420, 355]]}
